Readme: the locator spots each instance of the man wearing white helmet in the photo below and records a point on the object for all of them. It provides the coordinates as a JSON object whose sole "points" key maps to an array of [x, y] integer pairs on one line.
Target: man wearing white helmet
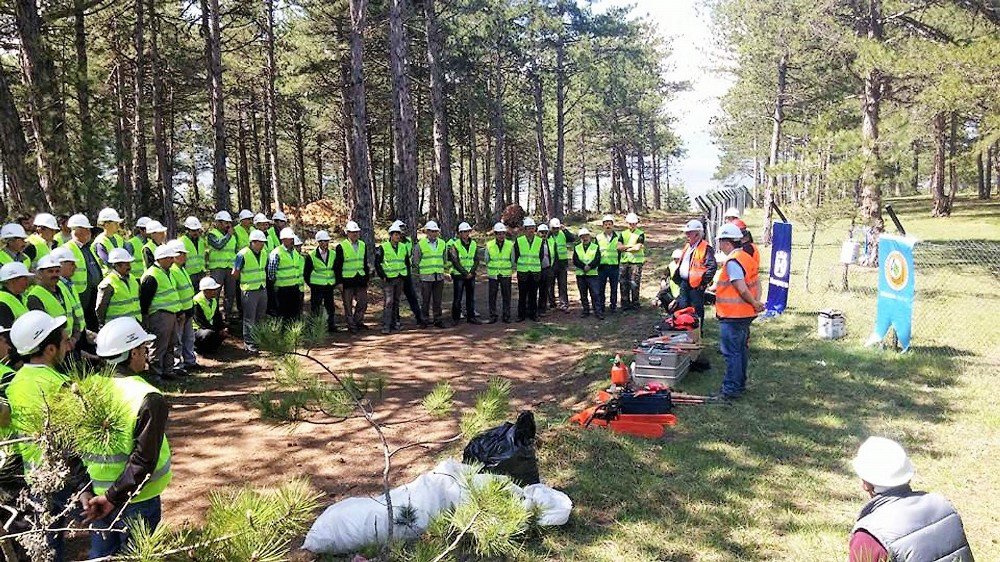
{"points": [[42, 241], [732, 214], [263, 224], [156, 236], [243, 228], [499, 258], [696, 270], [184, 358], [669, 287], [465, 257], [135, 246], [609, 271], [352, 269], [248, 269], [52, 297], [197, 250], [118, 293], [284, 273], [736, 305], [109, 238], [392, 264], [319, 276], [899, 523], [15, 241], [221, 254], [159, 305], [14, 281], [409, 288], [528, 250], [546, 280], [130, 475], [279, 221], [210, 330], [633, 256], [564, 242], [587, 259], [429, 262], [67, 267]]}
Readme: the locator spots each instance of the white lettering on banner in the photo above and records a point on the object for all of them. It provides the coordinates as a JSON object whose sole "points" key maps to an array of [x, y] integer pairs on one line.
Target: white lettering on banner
{"points": [[779, 283], [781, 264]]}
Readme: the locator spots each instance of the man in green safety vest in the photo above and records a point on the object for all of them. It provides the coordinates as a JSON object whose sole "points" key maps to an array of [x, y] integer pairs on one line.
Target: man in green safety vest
{"points": [[52, 297], [284, 273], [135, 245], [546, 278], [15, 241], [197, 250], [564, 242], [15, 279], [109, 238], [248, 269], [587, 258], [499, 257], [263, 224], [352, 269], [156, 236], [118, 293], [633, 256], [185, 360], [159, 305], [129, 476], [528, 261], [428, 260], [409, 289], [465, 258], [392, 264], [221, 254], [608, 273], [42, 241], [242, 229], [210, 331], [319, 276]]}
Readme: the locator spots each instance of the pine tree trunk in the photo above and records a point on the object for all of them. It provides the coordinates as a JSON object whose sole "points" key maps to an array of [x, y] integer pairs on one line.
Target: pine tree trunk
{"points": [[547, 208], [597, 189], [938, 175], [260, 170], [360, 155], [641, 203], [242, 165], [915, 167], [23, 187], [164, 179], [88, 180], [474, 172], [140, 164], [626, 180], [461, 185], [270, 104], [777, 122], [195, 169], [442, 146], [872, 176], [318, 161], [300, 156], [952, 164], [988, 172], [559, 197], [123, 142], [212, 31], [404, 119], [583, 175], [657, 195]]}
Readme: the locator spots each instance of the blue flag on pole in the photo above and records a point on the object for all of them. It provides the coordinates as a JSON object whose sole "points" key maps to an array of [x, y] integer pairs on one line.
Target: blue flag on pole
{"points": [[781, 269], [896, 275]]}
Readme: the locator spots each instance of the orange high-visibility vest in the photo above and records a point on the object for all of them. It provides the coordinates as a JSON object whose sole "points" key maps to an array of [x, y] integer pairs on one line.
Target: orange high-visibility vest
{"points": [[728, 302], [697, 269]]}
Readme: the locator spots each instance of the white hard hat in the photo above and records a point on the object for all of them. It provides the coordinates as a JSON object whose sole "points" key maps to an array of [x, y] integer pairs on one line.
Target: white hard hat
{"points": [[632, 218], [142, 222], [279, 216], [178, 246], [286, 233], [431, 225], [258, 236], [31, 329], [398, 223], [192, 223], [260, 218], [352, 226], [297, 241], [583, 232], [14, 270], [676, 254], [731, 212], [464, 227], [693, 226], [79, 221], [46, 262], [120, 336], [729, 232], [543, 227], [12, 230], [223, 216], [246, 214], [555, 223], [882, 462], [528, 222], [46, 220], [608, 218], [395, 228], [63, 255], [208, 284], [164, 251], [499, 227], [120, 255], [108, 214], [322, 236], [152, 227]]}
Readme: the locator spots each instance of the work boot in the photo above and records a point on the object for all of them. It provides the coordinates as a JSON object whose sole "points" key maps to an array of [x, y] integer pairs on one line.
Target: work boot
{"points": [[475, 320], [385, 331], [439, 324]]}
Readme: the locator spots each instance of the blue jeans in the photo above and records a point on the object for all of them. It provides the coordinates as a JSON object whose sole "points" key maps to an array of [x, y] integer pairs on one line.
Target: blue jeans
{"points": [[733, 336], [606, 274], [107, 544], [693, 297]]}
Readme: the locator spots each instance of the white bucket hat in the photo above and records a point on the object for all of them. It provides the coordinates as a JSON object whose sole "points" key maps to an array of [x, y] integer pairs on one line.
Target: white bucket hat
{"points": [[883, 462]]}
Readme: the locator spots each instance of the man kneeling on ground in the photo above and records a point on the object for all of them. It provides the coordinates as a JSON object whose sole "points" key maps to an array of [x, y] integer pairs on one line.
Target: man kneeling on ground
{"points": [[210, 327]]}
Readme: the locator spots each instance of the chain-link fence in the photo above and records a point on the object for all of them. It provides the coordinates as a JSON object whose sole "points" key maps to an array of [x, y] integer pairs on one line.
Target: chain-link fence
{"points": [[713, 206]]}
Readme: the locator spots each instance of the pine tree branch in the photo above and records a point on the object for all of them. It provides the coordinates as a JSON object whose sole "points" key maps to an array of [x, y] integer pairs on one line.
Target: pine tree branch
{"points": [[454, 543]]}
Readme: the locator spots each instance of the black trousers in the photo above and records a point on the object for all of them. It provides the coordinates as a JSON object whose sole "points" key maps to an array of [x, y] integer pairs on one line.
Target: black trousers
{"points": [[410, 291], [464, 288], [88, 300], [322, 298], [289, 305], [527, 294], [546, 283], [500, 285], [207, 342]]}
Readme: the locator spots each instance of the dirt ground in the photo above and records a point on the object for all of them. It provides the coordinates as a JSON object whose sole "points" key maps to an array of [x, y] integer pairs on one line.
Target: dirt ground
{"points": [[218, 439]]}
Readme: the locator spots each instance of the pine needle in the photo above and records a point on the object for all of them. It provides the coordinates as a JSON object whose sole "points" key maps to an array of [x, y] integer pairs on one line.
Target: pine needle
{"points": [[491, 408], [440, 400]]}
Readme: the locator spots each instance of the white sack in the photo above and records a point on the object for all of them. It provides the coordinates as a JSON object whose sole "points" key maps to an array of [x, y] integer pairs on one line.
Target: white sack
{"points": [[555, 506]]}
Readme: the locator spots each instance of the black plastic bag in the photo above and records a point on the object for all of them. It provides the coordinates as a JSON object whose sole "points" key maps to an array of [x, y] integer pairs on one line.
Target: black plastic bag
{"points": [[508, 449]]}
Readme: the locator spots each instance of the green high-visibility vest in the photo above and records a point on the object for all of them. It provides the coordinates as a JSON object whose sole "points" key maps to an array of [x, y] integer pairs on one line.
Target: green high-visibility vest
{"points": [[108, 243], [272, 239], [207, 306], [76, 306], [185, 290], [354, 261], [106, 466], [54, 306], [560, 241], [6, 431], [466, 257], [322, 272], [394, 260], [499, 264], [137, 258], [586, 255], [14, 302], [252, 273], [221, 259], [6, 258], [165, 298], [290, 266], [124, 298], [528, 260], [630, 237], [242, 236], [196, 250], [431, 259], [79, 278], [32, 389], [150, 245], [551, 243], [42, 247], [609, 248]]}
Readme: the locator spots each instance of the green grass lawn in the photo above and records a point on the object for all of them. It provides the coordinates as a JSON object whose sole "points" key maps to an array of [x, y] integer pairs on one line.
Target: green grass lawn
{"points": [[769, 478]]}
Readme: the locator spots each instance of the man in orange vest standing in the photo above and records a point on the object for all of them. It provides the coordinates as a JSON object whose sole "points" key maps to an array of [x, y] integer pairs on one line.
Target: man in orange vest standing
{"points": [[696, 270], [737, 302]]}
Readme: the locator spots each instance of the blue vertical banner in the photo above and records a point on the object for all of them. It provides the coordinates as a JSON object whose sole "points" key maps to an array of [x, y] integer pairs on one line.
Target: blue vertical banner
{"points": [[896, 288], [781, 269]]}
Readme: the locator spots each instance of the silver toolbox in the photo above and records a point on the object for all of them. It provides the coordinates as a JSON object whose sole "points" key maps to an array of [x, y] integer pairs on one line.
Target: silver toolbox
{"points": [[665, 367]]}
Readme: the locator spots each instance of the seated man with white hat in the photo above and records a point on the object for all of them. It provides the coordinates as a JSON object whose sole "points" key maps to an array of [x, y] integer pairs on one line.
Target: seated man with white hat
{"points": [[210, 329]]}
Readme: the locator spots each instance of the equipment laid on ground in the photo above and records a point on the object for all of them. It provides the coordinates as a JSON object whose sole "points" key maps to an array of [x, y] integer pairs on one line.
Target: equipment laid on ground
{"points": [[832, 324]]}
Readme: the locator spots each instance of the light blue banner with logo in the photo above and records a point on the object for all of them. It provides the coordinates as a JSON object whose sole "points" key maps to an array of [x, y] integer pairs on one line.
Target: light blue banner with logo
{"points": [[896, 289], [781, 269]]}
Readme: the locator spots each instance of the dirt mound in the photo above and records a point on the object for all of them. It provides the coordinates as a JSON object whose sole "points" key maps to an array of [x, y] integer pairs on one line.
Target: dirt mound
{"points": [[325, 213]]}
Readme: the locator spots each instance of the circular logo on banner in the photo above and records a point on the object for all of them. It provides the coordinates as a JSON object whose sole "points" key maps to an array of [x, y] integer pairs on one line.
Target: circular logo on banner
{"points": [[896, 271], [780, 263]]}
